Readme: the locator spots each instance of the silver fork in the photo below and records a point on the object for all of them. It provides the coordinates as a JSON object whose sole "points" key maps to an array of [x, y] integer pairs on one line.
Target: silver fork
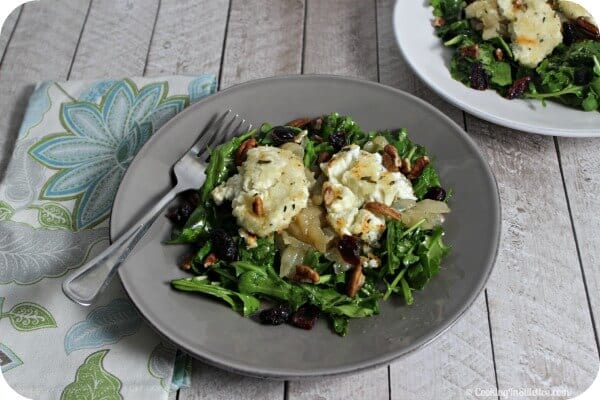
{"points": [[84, 285]]}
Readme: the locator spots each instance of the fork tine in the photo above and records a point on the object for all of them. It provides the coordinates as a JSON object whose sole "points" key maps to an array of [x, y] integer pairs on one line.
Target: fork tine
{"points": [[230, 133], [225, 128], [236, 130], [208, 133]]}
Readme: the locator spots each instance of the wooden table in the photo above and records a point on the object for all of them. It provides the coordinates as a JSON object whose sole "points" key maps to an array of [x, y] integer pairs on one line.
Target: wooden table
{"points": [[536, 324]]}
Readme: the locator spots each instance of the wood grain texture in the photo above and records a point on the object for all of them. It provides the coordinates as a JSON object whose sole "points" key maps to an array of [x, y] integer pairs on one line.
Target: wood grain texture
{"points": [[453, 367], [264, 39], [42, 47], [188, 37], [115, 39], [461, 358], [341, 38], [580, 162], [8, 27], [212, 383], [541, 324], [372, 385], [394, 70]]}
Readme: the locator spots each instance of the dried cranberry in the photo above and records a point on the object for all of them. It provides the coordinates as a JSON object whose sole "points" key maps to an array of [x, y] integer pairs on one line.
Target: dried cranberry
{"points": [[436, 193], [305, 317], [349, 247], [582, 76], [479, 79], [569, 33], [518, 88], [282, 134], [337, 140], [276, 315], [180, 214], [223, 245]]}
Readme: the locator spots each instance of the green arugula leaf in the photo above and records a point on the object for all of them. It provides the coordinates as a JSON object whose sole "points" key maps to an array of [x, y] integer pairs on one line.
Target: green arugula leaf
{"points": [[263, 254], [239, 302], [590, 103], [221, 165], [406, 291], [429, 178], [340, 324], [197, 227], [448, 9]]}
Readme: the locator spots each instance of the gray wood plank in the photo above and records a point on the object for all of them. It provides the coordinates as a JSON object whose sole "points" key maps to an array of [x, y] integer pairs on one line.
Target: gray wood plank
{"points": [[543, 336], [188, 37], [216, 384], [115, 39], [341, 39], [264, 39], [580, 160], [462, 357], [371, 385], [8, 28], [453, 367], [393, 69], [42, 47]]}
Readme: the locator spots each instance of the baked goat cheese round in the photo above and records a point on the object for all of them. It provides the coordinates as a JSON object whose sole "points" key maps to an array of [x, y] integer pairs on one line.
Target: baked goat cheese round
{"points": [[535, 33], [355, 177], [270, 188]]}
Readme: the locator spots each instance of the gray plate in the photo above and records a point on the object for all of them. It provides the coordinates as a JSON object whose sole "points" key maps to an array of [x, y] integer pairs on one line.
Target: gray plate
{"points": [[212, 332]]}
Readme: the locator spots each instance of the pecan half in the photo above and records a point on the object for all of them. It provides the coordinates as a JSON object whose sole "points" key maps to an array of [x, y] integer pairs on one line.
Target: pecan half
{"points": [[356, 280], [210, 259], [258, 207], [499, 54], [382, 209], [240, 154], [470, 51], [328, 195], [587, 28], [391, 159], [306, 274], [299, 122], [316, 123], [438, 21], [405, 166], [417, 169], [518, 4], [186, 262], [324, 157]]}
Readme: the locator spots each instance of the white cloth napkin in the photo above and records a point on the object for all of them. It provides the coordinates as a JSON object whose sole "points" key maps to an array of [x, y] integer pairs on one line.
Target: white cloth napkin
{"points": [[75, 143]]}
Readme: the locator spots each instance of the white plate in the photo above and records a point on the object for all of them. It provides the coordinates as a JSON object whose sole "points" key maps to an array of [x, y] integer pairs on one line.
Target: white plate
{"points": [[429, 59]]}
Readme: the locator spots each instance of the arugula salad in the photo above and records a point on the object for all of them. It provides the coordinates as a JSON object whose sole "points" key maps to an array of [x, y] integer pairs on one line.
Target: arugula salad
{"points": [[316, 217], [533, 49]]}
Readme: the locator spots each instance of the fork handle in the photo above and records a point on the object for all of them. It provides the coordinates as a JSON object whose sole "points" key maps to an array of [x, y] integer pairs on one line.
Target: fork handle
{"points": [[86, 283]]}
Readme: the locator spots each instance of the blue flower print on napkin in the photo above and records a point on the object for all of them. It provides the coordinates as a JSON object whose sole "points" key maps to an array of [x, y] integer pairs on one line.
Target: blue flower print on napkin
{"points": [[100, 143]]}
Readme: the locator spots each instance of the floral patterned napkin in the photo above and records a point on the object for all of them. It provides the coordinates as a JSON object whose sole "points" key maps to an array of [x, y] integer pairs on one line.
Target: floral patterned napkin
{"points": [[75, 143]]}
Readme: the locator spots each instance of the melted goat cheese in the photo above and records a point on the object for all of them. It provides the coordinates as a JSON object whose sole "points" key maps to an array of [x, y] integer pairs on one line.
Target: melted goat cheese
{"points": [[275, 175], [355, 177]]}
